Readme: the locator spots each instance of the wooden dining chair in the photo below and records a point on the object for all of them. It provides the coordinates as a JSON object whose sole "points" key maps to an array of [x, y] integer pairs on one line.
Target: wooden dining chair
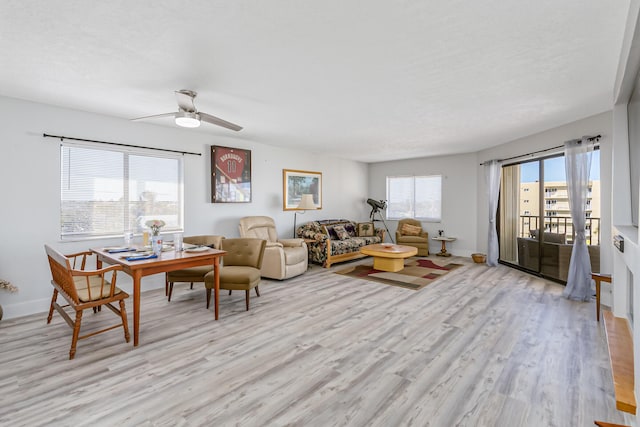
{"points": [[84, 289], [194, 274]]}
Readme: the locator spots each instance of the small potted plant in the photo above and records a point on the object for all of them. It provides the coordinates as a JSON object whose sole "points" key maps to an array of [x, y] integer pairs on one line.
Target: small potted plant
{"points": [[5, 284], [156, 243], [155, 225]]}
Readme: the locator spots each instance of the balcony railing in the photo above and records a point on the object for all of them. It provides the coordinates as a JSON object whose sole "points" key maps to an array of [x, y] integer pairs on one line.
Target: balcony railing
{"points": [[560, 225]]}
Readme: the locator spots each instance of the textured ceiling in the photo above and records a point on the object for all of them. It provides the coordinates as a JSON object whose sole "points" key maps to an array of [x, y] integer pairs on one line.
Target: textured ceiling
{"points": [[368, 80]]}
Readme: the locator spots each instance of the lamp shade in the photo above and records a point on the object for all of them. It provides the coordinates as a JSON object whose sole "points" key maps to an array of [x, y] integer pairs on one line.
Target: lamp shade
{"points": [[306, 203], [187, 120]]}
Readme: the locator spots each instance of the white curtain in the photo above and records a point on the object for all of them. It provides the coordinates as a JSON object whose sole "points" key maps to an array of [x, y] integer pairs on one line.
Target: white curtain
{"points": [[577, 158], [492, 174]]}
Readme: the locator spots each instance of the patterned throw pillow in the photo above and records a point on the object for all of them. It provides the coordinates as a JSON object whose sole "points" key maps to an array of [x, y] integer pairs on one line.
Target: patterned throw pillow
{"points": [[411, 230], [351, 229], [329, 231], [341, 232]]}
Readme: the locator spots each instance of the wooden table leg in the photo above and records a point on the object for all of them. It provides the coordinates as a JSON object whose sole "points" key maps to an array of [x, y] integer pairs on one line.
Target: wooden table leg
{"points": [[216, 281], [443, 249], [597, 277], [137, 276], [598, 300]]}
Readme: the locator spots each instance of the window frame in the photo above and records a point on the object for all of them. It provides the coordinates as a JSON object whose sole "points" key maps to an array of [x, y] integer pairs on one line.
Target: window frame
{"points": [[127, 224]]}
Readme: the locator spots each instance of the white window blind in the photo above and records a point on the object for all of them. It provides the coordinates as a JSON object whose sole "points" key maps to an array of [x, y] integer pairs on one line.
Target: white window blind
{"points": [[107, 191], [417, 197]]}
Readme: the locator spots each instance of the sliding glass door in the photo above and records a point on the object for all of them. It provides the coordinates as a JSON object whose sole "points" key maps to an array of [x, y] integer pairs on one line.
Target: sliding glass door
{"points": [[535, 229]]}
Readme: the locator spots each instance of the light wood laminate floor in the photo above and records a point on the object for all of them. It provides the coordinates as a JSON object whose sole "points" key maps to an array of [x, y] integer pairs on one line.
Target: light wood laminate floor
{"points": [[480, 347]]}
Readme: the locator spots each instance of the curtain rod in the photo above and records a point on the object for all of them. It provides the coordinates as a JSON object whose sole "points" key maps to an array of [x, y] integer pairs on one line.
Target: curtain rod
{"points": [[590, 138], [62, 138]]}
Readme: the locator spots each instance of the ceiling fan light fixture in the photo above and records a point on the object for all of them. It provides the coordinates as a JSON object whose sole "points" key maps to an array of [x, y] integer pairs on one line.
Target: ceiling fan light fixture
{"points": [[188, 116], [187, 120]]}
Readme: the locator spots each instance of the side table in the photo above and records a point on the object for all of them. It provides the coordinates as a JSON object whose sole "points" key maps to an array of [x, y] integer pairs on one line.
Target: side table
{"points": [[444, 240]]}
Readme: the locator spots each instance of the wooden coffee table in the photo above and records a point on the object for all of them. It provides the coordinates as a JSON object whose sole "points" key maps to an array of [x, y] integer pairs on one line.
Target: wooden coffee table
{"points": [[387, 257]]}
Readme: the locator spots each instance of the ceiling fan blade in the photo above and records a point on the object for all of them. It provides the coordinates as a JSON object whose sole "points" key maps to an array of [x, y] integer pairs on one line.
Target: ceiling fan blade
{"points": [[155, 116], [185, 100], [217, 121]]}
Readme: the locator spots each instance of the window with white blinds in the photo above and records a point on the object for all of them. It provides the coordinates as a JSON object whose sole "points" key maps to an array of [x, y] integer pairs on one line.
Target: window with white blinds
{"points": [[417, 197], [107, 191]]}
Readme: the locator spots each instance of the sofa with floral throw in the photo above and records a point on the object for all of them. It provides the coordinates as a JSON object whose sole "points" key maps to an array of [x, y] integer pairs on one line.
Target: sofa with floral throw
{"points": [[335, 240]]}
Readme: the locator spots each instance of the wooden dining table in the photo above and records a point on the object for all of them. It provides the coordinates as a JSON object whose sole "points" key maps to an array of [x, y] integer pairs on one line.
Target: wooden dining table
{"points": [[167, 261]]}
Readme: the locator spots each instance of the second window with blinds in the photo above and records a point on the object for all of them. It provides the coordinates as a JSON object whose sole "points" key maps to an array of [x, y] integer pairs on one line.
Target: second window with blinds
{"points": [[418, 197]]}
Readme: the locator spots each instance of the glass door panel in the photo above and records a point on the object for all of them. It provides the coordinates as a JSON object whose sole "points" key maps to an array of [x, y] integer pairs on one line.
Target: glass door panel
{"points": [[520, 215], [535, 230]]}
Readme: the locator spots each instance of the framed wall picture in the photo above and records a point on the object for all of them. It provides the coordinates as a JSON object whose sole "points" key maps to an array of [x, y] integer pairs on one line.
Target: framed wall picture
{"points": [[295, 183], [230, 175]]}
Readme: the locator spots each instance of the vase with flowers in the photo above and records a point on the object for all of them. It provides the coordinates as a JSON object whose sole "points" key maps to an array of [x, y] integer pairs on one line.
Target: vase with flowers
{"points": [[156, 242], [6, 285]]}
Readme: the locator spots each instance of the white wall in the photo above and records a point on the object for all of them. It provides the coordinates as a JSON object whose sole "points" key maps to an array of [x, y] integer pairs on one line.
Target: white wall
{"points": [[459, 197], [600, 124], [30, 193]]}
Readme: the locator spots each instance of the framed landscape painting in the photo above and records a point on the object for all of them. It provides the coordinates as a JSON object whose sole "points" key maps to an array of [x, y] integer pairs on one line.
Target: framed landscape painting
{"points": [[230, 175], [295, 183]]}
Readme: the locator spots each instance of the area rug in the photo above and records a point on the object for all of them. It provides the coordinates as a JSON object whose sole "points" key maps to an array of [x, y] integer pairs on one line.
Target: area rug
{"points": [[417, 273]]}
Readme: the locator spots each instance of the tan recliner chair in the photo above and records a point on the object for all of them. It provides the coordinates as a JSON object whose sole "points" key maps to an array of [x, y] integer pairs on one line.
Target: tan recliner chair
{"points": [[411, 236], [283, 258], [193, 274]]}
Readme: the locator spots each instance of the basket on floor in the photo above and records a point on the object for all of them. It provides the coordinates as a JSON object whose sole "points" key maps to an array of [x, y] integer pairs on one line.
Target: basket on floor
{"points": [[479, 258]]}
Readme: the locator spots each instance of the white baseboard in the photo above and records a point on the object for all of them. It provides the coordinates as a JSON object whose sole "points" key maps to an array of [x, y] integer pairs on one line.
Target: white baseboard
{"points": [[26, 308]]}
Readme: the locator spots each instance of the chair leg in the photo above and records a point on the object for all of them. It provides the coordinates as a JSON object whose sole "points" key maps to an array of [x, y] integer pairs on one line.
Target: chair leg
{"points": [[191, 285], [229, 292], [170, 291], [208, 297], [166, 284], [247, 294], [76, 332], [257, 291], [125, 325], [53, 301]]}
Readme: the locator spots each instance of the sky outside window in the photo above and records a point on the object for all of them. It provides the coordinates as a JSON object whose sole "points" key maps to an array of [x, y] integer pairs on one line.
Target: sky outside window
{"points": [[554, 169]]}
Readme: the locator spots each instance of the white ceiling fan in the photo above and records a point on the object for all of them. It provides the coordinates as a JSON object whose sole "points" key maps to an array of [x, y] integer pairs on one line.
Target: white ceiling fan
{"points": [[188, 116]]}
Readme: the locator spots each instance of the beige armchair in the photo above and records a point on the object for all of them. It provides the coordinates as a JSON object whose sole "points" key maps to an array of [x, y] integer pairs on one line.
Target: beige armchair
{"points": [[407, 234], [241, 269], [283, 258], [193, 274]]}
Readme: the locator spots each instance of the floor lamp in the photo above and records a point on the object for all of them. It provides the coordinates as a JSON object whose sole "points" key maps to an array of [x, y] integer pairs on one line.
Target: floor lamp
{"points": [[306, 204]]}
